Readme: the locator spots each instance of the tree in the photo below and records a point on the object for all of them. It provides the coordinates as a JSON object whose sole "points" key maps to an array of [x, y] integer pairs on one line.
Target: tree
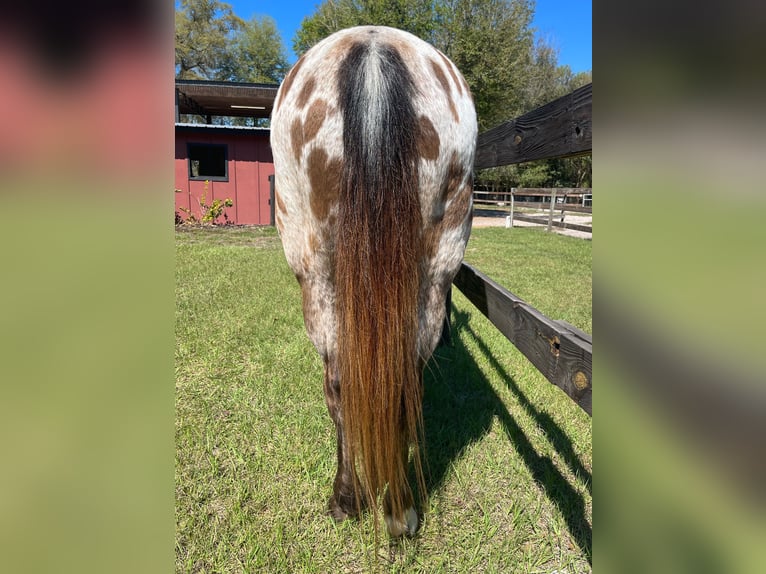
{"points": [[547, 80], [489, 40], [204, 30], [415, 16], [330, 16], [257, 53]]}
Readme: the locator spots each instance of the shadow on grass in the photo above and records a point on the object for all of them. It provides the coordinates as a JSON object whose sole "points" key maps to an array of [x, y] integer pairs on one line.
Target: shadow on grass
{"points": [[459, 408]]}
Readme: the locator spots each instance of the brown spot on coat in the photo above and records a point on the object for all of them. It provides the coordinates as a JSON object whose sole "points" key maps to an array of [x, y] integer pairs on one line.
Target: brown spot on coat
{"points": [[296, 137], [458, 208], [427, 139], [442, 78], [302, 132], [281, 207], [314, 119], [455, 199], [455, 176], [405, 51], [324, 176], [451, 69], [439, 73], [341, 48], [454, 216], [288, 81], [467, 88], [305, 93], [313, 243]]}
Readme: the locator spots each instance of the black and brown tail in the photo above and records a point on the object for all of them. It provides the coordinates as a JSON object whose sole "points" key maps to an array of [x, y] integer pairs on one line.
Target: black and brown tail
{"points": [[378, 253]]}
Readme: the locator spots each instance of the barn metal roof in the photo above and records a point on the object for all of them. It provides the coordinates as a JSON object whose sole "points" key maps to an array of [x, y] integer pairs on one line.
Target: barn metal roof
{"points": [[238, 99]]}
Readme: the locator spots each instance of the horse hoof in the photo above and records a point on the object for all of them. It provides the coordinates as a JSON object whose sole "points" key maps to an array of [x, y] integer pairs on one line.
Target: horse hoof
{"points": [[342, 508], [408, 526]]}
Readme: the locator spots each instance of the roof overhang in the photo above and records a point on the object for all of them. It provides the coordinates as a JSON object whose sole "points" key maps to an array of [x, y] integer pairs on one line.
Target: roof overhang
{"points": [[215, 129], [238, 99]]}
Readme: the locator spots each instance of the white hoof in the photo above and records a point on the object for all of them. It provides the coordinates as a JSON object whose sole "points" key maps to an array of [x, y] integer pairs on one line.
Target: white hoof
{"points": [[398, 527]]}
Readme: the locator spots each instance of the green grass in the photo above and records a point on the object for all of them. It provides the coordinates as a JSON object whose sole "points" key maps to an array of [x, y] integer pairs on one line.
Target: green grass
{"points": [[509, 455], [551, 272]]}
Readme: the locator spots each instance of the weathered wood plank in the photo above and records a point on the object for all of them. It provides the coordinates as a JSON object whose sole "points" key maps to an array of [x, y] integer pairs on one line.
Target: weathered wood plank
{"points": [[561, 128], [535, 191], [574, 208], [550, 211], [562, 353], [559, 206], [547, 190], [564, 225], [538, 205]]}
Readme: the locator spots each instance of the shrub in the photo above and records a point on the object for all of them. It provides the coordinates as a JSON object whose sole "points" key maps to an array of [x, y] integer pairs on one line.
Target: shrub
{"points": [[209, 213]]}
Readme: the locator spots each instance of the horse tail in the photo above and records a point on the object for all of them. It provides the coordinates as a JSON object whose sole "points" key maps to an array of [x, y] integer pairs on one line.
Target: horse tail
{"points": [[379, 247]]}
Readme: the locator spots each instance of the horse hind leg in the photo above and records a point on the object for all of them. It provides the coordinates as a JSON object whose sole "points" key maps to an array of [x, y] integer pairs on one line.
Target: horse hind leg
{"points": [[346, 500]]}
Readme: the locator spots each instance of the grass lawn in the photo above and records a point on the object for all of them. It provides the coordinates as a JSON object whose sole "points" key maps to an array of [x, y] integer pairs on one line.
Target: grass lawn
{"points": [[508, 455]]}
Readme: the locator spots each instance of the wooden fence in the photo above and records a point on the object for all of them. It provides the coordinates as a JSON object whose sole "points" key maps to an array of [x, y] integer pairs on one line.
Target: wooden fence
{"points": [[561, 352], [578, 199], [547, 202]]}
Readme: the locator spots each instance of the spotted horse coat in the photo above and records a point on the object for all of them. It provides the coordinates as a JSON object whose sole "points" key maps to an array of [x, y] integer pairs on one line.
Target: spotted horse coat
{"points": [[373, 135]]}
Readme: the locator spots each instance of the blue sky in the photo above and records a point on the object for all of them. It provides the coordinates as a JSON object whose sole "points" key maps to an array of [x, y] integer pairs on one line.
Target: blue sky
{"points": [[566, 24]]}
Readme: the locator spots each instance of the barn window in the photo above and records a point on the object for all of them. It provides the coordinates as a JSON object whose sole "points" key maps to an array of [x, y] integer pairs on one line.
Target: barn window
{"points": [[208, 161]]}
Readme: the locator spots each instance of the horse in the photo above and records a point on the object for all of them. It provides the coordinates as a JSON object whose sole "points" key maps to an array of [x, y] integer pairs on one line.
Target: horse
{"points": [[373, 136]]}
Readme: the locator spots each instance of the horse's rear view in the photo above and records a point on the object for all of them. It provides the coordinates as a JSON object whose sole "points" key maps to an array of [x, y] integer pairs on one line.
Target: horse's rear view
{"points": [[373, 136]]}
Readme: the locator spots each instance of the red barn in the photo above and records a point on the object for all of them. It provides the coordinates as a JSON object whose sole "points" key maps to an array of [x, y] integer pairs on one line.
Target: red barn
{"points": [[224, 162]]}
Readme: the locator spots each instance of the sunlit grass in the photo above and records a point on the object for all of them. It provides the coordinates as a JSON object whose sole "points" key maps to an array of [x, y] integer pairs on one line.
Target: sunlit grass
{"points": [[508, 455]]}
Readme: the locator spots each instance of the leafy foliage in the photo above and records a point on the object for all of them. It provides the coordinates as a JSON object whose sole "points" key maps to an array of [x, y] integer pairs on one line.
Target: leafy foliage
{"points": [[415, 16], [490, 42], [203, 29], [209, 213], [213, 43], [257, 53]]}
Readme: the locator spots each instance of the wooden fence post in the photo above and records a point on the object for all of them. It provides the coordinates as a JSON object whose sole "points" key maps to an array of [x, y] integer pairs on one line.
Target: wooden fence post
{"points": [[510, 220], [272, 221], [563, 207], [550, 213]]}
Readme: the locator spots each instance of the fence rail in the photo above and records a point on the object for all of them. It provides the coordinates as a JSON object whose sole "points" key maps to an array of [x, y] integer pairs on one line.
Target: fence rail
{"points": [[579, 194], [539, 191], [550, 201], [568, 207], [550, 222], [561, 128], [561, 352]]}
